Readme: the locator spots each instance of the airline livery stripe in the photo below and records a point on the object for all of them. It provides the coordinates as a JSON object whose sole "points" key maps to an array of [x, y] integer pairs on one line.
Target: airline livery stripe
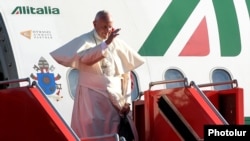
{"points": [[228, 27], [168, 27], [175, 16], [248, 6]]}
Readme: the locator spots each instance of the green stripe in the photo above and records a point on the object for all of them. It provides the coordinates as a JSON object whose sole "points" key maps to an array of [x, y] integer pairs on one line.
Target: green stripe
{"points": [[228, 27], [248, 6], [247, 120], [168, 27]]}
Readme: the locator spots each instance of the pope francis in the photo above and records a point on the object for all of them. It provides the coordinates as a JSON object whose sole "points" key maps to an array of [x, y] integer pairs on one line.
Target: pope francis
{"points": [[104, 62]]}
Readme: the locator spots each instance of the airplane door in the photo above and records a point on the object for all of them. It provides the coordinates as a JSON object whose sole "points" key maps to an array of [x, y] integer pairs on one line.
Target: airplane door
{"points": [[8, 68]]}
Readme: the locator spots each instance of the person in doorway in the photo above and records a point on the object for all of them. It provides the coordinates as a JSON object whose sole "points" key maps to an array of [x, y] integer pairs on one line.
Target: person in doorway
{"points": [[103, 92]]}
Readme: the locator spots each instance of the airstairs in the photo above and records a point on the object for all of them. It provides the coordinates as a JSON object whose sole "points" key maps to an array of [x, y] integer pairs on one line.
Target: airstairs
{"points": [[28, 115], [175, 114], [180, 114]]}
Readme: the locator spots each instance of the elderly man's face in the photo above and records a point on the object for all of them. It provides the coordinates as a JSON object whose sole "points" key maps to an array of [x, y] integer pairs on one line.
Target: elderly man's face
{"points": [[104, 26]]}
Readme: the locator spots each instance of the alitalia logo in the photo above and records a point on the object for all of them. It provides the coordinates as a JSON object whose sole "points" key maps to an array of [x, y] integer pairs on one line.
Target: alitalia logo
{"points": [[198, 43], [46, 10]]}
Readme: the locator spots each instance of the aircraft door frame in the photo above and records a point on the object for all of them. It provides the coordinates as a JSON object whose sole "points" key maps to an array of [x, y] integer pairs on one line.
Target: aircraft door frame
{"points": [[7, 60]]}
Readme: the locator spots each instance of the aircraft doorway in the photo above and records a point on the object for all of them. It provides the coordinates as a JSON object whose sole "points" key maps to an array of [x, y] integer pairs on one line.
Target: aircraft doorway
{"points": [[8, 69]]}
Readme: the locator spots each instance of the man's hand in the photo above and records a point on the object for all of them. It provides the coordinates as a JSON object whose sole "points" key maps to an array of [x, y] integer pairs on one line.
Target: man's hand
{"points": [[112, 35], [125, 109]]}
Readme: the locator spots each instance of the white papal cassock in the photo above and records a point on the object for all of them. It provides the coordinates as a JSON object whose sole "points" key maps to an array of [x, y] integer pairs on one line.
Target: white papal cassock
{"points": [[99, 87]]}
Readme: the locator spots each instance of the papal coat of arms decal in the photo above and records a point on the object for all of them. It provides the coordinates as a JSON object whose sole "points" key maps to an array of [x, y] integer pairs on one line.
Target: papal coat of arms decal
{"points": [[47, 79]]}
